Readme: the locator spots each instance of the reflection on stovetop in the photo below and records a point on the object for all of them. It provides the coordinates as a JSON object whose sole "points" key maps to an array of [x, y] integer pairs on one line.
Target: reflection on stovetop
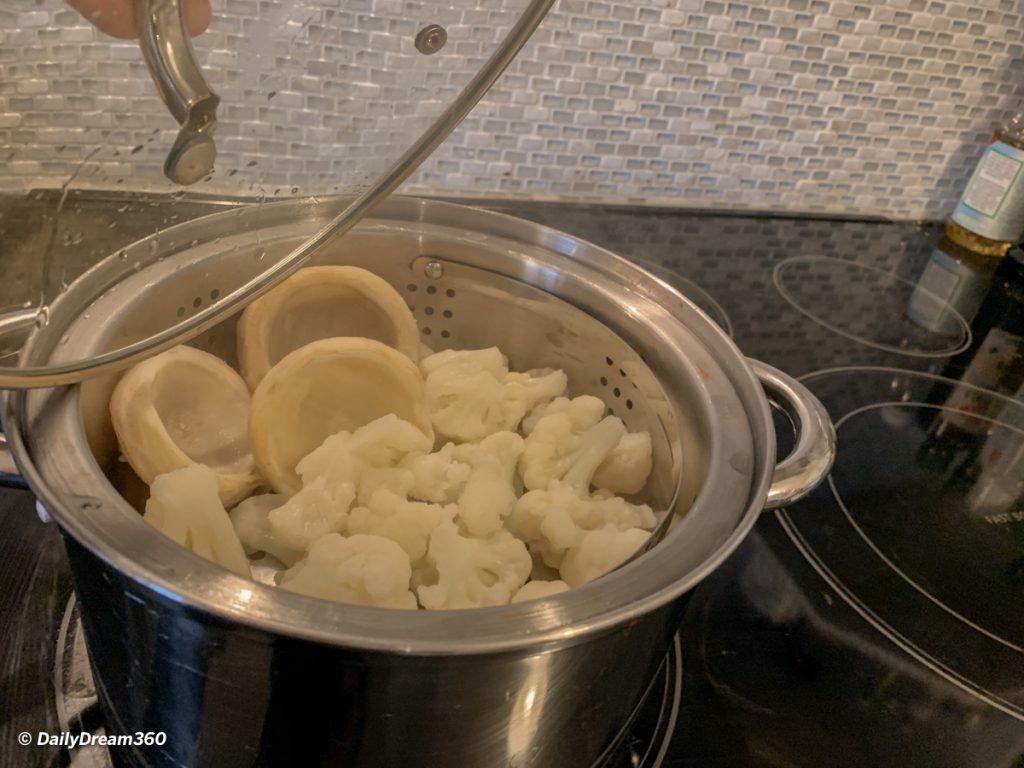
{"points": [[780, 671], [802, 650], [36, 583]]}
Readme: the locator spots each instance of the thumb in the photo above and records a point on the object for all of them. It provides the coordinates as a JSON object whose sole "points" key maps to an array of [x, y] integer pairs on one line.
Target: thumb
{"points": [[117, 17]]}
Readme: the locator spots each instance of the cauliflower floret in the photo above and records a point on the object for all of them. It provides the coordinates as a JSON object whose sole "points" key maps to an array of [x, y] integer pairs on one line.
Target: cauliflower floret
{"points": [[536, 386], [362, 570], [437, 477], [185, 506], [384, 442], [317, 509], [535, 590], [585, 411], [556, 520], [425, 574], [253, 528], [396, 479], [331, 474], [474, 573], [627, 467], [471, 394], [569, 445], [541, 571], [489, 494], [489, 360], [558, 534], [561, 405], [598, 552], [391, 515]]}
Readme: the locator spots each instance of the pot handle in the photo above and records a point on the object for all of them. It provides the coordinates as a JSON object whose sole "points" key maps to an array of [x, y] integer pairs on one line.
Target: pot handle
{"points": [[172, 63], [811, 458]]}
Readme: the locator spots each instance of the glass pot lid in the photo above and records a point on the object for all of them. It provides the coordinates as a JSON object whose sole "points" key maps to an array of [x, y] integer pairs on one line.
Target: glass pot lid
{"points": [[274, 100]]}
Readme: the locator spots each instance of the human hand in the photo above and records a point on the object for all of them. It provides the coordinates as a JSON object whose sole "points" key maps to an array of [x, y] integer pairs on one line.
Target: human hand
{"points": [[117, 17]]}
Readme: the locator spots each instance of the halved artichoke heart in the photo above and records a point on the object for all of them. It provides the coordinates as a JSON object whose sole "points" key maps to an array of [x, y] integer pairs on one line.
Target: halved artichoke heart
{"points": [[326, 387], [320, 303], [184, 407]]}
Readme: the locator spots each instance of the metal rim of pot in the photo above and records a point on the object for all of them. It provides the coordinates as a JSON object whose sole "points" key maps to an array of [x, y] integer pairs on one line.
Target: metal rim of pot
{"points": [[44, 429]]}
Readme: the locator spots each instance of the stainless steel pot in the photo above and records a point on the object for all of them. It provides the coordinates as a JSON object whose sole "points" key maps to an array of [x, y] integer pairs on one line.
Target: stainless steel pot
{"points": [[238, 673]]}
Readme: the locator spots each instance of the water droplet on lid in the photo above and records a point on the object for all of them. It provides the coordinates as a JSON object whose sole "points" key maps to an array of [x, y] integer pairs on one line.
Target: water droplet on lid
{"points": [[434, 270], [86, 503]]}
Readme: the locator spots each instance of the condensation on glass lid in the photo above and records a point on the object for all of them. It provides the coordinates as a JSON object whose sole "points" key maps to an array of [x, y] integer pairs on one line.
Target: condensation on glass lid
{"points": [[305, 85], [867, 305], [300, 85]]}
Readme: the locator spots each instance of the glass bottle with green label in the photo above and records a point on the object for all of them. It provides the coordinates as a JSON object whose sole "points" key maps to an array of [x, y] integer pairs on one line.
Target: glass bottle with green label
{"points": [[989, 218]]}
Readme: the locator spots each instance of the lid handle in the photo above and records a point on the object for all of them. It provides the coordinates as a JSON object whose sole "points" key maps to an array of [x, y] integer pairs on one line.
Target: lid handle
{"points": [[168, 52]]}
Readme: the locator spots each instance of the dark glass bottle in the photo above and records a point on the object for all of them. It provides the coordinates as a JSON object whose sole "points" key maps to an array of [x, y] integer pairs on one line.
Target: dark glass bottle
{"points": [[965, 412], [995, 358]]}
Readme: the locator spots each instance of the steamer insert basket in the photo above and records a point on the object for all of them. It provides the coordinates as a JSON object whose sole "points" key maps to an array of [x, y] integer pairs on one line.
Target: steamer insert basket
{"points": [[238, 673]]}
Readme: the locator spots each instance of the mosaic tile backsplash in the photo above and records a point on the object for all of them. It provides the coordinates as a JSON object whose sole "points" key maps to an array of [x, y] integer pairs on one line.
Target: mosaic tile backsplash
{"points": [[832, 106]]}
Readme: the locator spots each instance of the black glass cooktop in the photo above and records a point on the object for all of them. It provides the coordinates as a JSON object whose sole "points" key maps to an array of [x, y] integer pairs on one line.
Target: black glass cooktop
{"points": [[880, 622]]}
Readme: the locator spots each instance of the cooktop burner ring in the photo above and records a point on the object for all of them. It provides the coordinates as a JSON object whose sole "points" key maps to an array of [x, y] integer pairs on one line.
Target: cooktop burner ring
{"points": [[851, 518], [883, 627], [934, 489], [815, 286]]}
